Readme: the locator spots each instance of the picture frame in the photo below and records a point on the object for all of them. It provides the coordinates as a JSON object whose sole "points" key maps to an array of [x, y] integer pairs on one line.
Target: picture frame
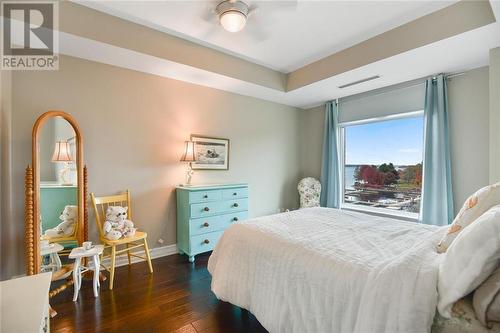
{"points": [[211, 153]]}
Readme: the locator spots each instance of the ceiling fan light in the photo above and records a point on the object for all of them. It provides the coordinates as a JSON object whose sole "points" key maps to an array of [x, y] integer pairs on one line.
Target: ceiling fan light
{"points": [[233, 20]]}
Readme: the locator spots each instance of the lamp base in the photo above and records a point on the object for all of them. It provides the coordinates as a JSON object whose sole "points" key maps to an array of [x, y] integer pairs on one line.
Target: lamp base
{"points": [[187, 185], [64, 175], [189, 174]]}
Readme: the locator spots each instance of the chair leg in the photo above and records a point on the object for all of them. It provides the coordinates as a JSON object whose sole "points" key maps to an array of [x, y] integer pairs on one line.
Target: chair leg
{"points": [[129, 257], [112, 270], [146, 249]]}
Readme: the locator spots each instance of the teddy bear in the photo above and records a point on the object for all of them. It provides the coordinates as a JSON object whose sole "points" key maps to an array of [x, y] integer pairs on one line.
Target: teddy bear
{"points": [[67, 226], [117, 226]]}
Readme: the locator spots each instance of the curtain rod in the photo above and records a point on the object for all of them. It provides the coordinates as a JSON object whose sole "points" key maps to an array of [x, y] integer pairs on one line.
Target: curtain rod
{"points": [[434, 78], [450, 76], [447, 76]]}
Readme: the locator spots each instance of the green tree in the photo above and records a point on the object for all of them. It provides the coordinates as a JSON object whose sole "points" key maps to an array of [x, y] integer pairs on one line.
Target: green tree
{"points": [[390, 174]]}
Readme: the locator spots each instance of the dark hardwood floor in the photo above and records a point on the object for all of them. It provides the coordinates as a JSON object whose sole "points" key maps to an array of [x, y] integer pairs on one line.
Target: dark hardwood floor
{"points": [[175, 298]]}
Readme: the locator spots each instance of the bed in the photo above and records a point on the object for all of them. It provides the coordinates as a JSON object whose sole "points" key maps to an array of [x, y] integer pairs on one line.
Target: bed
{"points": [[463, 320], [326, 270]]}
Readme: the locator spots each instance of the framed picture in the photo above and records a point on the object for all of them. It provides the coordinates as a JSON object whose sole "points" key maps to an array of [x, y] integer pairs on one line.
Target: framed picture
{"points": [[211, 153]]}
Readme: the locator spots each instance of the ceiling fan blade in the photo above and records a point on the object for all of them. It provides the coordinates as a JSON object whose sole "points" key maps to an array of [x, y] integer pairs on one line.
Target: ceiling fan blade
{"points": [[212, 31], [257, 33], [275, 6], [209, 14], [256, 28]]}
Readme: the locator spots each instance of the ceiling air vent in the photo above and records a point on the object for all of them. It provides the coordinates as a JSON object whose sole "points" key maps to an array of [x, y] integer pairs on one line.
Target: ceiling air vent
{"points": [[359, 81]]}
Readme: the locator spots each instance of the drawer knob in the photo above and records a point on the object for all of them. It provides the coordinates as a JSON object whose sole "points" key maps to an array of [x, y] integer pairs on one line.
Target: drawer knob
{"points": [[205, 196], [235, 204], [235, 193], [206, 209], [206, 241], [206, 224], [235, 219]]}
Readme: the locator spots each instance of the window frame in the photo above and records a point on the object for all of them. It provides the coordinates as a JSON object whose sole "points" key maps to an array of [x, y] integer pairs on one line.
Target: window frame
{"points": [[401, 215]]}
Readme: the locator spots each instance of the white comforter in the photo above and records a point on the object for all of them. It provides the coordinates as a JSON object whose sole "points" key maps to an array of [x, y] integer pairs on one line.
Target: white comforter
{"points": [[325, 270]]}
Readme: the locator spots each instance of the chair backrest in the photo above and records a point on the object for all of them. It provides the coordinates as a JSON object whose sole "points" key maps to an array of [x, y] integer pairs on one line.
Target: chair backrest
{"points": [[309, 190], [101, 204]]}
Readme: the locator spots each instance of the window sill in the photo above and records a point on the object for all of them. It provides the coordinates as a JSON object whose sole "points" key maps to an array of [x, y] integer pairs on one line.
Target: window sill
{"points": [[400, 215]]}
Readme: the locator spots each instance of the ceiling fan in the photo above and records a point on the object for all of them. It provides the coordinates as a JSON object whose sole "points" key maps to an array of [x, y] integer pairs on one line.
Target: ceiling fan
{"points": [[233, 15]]}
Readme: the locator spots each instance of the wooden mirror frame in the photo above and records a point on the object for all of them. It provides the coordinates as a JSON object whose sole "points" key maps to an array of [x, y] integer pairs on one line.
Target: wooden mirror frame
{"points": [[32, 192]]}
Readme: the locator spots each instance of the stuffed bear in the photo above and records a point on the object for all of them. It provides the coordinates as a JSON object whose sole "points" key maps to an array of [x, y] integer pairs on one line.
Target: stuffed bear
{"points": [[117, 226], [67, 226]]}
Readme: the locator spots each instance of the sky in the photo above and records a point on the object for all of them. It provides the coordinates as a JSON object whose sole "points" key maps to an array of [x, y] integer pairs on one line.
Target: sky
{"points": [[399, 141]]}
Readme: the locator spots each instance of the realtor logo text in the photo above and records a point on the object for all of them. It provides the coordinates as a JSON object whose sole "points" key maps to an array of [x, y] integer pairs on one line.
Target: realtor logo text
{"points": [[30, 38]]}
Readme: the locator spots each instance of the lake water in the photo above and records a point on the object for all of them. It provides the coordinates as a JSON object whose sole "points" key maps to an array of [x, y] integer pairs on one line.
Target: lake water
{"points": [[349, 176]]}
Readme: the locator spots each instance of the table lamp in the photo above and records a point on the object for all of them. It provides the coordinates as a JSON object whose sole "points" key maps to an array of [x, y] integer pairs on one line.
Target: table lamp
{"points": [[62, 154], [189, 157]]}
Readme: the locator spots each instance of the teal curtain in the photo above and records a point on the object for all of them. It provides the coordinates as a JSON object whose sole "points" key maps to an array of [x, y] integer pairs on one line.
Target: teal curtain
{"points": [[330, 168], [437, 194]]}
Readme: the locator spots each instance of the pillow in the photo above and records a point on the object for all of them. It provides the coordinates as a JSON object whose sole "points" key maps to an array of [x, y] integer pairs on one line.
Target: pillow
{"points": [[486, 300], [473, 207], [470, 259]]}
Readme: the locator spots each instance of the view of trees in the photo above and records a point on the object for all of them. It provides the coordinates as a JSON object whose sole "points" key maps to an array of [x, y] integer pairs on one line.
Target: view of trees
{"points": [[412, 174], [386, 174]]}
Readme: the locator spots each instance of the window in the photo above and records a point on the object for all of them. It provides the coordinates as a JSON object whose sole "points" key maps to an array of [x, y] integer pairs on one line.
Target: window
{"points": [[383, 165]]}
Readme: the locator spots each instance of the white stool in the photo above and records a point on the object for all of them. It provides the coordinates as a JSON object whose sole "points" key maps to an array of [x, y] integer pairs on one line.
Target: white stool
{"points": [[54, 261], [79, 253]]}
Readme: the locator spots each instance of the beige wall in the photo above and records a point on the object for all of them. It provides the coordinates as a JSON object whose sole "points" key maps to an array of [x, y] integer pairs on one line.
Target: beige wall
{"points": [[494, 115], [134, 126], [469, 132], [7, 229], [312, 122], [469, 119]]}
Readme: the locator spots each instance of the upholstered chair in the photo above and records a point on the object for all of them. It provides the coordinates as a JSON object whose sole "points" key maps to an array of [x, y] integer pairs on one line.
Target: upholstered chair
{"points": [[309, 190]]}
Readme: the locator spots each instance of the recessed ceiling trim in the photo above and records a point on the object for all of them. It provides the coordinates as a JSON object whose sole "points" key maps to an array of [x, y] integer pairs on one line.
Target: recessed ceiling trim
{"points": [[450, 21], [74, 19]]}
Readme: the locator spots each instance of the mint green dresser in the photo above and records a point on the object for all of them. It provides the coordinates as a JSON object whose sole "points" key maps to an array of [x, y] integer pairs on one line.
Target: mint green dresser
{"points": [[53, 198], [204, 212]]}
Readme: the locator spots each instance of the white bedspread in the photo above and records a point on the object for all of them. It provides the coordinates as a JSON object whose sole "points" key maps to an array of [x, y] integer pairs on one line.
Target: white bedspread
{"points": [[325, 270]]}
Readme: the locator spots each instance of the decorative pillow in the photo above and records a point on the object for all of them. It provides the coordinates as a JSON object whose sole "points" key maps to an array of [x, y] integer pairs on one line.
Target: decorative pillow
{"points": [[470, 259], [486, 300], [473, 207]]}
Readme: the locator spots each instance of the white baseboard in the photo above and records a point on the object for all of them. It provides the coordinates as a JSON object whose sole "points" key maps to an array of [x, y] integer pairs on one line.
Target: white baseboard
{"points": [[122, 260], [156, 252]]}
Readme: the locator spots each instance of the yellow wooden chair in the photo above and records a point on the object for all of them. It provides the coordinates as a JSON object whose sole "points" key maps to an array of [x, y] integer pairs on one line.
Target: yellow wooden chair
{"points": [[139, 240]]}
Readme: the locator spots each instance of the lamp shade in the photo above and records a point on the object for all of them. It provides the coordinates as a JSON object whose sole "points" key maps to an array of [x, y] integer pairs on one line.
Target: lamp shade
{"points": [[62, 152], [188, 155]]}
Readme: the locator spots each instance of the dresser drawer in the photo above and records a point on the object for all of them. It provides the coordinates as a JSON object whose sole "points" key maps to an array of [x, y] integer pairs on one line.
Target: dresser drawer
{"points": [[234, 205], [235, 193], [215, 223], [205, 196], [205, 242], [205, 209]]}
